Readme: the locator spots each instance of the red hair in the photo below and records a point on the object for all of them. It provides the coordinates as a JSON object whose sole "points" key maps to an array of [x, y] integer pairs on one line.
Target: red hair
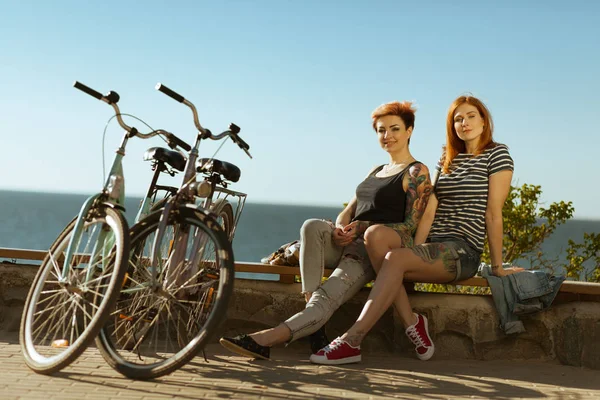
{"points": [[455, 145], [404, 110]]}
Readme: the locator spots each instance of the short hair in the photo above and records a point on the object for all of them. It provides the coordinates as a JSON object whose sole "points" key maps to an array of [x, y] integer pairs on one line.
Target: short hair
{"points": [[404, 110]]}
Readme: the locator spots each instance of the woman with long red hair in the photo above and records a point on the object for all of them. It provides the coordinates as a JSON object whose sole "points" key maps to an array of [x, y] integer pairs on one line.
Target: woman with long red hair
{"points": [[471, 184]]}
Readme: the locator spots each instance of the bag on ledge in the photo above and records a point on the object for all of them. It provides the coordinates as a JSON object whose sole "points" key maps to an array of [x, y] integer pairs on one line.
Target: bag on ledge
{"points": [[288, 255]]}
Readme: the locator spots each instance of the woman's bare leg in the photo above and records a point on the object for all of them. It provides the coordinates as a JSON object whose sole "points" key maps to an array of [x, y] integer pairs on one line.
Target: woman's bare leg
{"points": [[272, 336], [380, 240], [398, 265]]}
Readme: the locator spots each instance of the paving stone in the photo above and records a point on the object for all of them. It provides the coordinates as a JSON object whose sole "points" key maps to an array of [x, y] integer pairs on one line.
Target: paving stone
{"points": [[291, 376]]}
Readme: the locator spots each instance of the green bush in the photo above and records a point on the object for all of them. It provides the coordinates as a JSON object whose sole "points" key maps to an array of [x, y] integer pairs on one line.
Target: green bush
{"points": [[526, 226]]}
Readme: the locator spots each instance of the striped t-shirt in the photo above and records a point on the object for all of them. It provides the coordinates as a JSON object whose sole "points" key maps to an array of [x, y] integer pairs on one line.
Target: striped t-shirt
{"points": [[462, 195]]}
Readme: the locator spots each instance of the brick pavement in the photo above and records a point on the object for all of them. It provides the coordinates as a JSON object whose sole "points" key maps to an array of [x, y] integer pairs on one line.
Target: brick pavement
{"points": [[291, 376]]}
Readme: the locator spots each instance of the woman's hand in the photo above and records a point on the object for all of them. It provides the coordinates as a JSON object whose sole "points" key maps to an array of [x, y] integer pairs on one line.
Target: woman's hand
{"points": [[499, 271], [344, 235], [341, 238], [355, 229]]}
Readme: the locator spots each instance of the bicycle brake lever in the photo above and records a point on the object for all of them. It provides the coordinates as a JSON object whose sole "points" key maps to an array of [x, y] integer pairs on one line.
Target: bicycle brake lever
{"points": [[174, 141], [234, 128]]}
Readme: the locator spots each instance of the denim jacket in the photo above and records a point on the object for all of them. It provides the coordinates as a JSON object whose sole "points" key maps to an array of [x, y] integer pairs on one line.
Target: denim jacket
{"points": [[519, 294]]}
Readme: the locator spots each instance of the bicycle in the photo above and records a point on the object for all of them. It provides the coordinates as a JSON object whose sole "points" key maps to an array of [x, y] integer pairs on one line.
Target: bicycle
{"points": [[180, 274], [214, 191], [80, 279]]}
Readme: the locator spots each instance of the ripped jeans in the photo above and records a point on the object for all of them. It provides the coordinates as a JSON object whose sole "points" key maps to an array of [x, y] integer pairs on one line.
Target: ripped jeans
{"points": [[352, 271]]}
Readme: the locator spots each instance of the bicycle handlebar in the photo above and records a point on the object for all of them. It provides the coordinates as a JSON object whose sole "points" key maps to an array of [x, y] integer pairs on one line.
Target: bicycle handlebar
{"points": [[177, 97], [240, 142], [112, 98], [171, 93], [172, 139], [236, 139], [87, 90], [233, 131]]}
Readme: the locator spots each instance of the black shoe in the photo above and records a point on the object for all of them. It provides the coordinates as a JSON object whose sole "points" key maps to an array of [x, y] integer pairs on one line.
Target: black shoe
{"points": [[318, 340], [244, 345]]}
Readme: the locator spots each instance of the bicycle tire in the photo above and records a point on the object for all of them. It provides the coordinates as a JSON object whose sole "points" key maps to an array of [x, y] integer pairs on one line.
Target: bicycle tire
{"points": [[158, 205], [221, 208], [224, 212], [144, 319], [86, 304]]}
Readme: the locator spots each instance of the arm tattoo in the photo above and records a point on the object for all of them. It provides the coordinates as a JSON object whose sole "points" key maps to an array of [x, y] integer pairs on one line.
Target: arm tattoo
{"points": [[417, 195]]}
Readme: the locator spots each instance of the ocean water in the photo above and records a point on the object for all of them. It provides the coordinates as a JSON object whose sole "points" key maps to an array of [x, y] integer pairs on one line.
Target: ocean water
{"points": [[31, 220]]}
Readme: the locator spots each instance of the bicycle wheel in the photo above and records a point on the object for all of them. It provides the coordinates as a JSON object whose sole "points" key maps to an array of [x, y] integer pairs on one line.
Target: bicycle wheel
{"points": [[156, 329], [224, 212], [62, 317]]}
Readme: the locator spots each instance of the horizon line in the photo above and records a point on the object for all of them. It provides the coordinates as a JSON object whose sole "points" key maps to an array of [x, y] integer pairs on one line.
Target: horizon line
{"points": [[322, 205], [136, 196]]}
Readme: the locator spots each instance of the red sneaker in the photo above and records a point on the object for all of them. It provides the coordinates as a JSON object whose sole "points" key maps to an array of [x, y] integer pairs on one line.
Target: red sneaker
{"points": [[419, 335], [337, 352]]}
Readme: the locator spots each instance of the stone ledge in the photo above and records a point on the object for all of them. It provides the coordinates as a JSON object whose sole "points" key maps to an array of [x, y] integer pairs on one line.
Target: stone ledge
{"points": [[462, 326]]}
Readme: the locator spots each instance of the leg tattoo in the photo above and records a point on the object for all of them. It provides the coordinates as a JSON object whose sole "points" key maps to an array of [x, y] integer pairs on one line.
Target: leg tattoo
{"points": [[431, 252]]}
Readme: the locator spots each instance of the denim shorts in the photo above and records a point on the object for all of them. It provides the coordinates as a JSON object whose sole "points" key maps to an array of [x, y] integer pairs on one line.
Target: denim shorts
{"points": [[465, 258]]}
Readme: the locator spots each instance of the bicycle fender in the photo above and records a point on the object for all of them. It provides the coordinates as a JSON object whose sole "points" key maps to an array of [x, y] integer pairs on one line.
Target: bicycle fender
{"points": [[113, 206], [205, 216]]}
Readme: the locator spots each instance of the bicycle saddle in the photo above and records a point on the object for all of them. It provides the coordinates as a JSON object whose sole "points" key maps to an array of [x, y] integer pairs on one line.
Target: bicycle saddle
{"points": [[173, 158], [229, 171]]}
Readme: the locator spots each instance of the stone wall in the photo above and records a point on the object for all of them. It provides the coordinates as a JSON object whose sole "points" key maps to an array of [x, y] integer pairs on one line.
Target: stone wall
{"points": [[462, 326], [15, 280]]}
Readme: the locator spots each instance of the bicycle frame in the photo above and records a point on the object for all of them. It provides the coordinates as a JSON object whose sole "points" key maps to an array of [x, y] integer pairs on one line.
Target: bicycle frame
{"points": [[148, 200], [180, 197], [188, 191], [113, 194], [240, 203]]}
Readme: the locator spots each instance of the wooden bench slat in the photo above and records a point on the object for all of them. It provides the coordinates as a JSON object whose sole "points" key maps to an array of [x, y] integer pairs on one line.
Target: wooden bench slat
{"points": [[252, 267], [270, 269], [21, 254]]}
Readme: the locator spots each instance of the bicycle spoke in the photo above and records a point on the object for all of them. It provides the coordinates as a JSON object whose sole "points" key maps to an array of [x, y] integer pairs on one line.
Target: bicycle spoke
{"points": [[63, 315], [55, 329], [55, 266], [56, 294], [85, 312], [161, 318], [48, 321]]}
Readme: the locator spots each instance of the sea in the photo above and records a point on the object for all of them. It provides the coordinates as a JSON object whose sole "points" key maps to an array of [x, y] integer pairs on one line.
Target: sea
{"points": [[32, 220]]}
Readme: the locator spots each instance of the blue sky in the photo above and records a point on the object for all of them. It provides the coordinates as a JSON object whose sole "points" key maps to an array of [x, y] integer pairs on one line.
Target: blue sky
{"points": [[301, 79]]}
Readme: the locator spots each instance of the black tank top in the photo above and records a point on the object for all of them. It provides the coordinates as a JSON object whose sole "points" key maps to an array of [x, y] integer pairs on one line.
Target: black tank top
{"points": [[381, 199]]}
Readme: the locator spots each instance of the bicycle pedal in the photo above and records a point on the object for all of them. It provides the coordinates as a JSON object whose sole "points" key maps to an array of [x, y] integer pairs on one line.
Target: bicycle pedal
{"points": [[125, 317], [209, 297], [125, 280]]}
